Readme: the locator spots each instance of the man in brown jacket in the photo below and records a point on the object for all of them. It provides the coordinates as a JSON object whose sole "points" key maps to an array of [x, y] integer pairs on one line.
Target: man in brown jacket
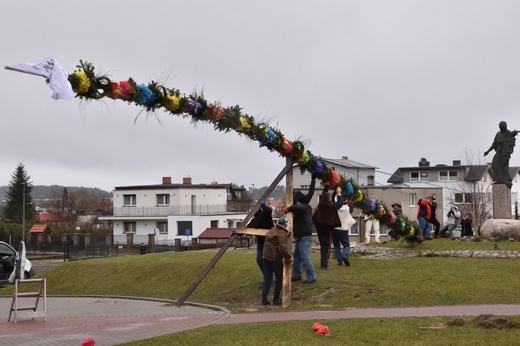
{"points": [[276, 248]]}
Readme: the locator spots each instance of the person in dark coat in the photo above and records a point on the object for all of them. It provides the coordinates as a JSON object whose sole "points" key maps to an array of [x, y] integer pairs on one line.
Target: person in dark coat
{"points": [[466, 226], [433, 218], [276, 249], [263, 219], [326, 219]]}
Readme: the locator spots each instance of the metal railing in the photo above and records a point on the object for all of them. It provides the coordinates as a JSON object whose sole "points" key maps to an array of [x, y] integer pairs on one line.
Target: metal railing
{"points": [[171, 210]]}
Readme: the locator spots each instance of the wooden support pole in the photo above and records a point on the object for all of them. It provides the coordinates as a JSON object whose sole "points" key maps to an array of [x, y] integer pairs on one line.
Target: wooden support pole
{"points": [[287, 267], [223, 249], [206, 270]]}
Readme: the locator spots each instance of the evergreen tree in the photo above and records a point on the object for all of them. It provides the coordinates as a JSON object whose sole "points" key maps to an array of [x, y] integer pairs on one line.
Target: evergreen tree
{"points": [[20, 182]]}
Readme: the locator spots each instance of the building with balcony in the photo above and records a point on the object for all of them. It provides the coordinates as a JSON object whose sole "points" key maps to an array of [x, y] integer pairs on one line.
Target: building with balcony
{"points": [[169, 211]]}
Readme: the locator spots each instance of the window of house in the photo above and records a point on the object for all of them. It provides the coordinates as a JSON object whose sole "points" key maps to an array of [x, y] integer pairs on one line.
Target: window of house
{"points": [[182, 226], [448, 176], [413, 199], [163, 199], [354, 230], [129, 200], [419, 176], [463, 198], [162, 226], [383, 230], [214, 223], [370, 180], [129, 227]]}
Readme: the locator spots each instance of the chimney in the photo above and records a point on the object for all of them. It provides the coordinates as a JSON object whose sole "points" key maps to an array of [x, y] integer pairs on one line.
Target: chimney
{"points": [[186, 180], [424, 162], [344, 158], [166, 180], [456, 162]]}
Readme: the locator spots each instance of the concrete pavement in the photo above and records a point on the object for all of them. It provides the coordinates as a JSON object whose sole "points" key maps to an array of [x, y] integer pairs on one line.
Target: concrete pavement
{"points": [[112, 321]]}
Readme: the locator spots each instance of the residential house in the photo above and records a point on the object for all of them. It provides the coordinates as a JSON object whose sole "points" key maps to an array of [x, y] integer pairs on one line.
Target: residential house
{"points": [[169, 211]]}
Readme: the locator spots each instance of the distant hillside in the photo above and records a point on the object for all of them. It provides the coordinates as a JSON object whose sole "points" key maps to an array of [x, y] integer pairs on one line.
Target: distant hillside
{"points": [[45, 192]]}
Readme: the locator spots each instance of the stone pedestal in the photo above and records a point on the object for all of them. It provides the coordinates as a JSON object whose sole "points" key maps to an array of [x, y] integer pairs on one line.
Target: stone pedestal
{"points": [[501, 201]]}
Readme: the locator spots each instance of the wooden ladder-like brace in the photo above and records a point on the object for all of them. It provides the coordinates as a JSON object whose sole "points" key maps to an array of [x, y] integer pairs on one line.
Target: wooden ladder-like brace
{"points": [[40, 293]]}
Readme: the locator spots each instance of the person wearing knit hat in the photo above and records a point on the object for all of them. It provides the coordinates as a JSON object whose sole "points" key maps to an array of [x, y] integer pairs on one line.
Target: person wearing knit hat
{"points": [[276, 249]]}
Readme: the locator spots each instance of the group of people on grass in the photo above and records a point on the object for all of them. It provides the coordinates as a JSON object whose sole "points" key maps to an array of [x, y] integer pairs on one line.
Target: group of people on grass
{"points": [[332, 219], [426, 218]]}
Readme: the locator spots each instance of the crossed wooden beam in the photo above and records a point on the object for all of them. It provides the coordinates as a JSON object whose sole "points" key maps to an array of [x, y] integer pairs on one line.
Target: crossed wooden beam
{"points": [[286, 172]]}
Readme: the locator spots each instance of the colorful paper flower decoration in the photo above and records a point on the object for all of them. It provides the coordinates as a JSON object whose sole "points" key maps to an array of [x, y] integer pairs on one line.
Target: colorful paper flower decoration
{"points": [[145, 95], [286, 148], [82, 82], [319, 167], [392, 219], [358, 196], [217, 113], [350, 189], [194, 107], [334, 178]]}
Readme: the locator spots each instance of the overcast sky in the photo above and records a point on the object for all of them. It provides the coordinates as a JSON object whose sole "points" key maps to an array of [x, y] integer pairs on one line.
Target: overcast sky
{"points": [[382, 82]]}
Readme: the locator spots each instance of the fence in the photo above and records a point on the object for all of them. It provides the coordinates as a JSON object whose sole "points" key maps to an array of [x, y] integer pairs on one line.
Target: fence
{"points": [[78, 247]]}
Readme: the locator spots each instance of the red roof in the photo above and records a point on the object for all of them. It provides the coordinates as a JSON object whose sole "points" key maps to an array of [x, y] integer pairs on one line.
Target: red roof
{"points": [[40, 229], [216, 233]]}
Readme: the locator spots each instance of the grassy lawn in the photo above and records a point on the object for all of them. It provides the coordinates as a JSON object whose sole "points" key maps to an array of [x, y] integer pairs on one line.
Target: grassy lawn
{"points": [[389, 331], [233, 284]]}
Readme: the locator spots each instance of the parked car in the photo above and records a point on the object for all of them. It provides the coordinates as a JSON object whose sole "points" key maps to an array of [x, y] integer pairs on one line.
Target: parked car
{"points": [[7, 260]]}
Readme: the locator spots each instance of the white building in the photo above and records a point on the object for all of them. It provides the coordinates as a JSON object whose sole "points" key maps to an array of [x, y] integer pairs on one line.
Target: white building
{"points": [[174, 211]]}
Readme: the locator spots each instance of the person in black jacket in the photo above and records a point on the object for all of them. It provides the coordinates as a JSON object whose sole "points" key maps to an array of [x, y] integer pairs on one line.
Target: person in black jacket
{"points": [[433, 218], [302, 232], [263, 219], [326, 219], [466, 226]]}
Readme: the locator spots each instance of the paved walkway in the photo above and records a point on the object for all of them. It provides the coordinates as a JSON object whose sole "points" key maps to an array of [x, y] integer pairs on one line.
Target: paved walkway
{"points": [[112, 321]]}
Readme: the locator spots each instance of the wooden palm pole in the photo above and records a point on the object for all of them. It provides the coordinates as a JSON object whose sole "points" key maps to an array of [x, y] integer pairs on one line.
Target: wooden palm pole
{"points": [[287, 267]]}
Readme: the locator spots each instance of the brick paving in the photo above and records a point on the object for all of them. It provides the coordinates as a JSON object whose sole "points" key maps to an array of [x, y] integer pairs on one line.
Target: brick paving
{"points": [[110, 321]]}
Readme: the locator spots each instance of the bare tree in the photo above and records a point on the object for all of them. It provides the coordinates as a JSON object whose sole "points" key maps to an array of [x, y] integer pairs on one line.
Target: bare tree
{"points": [[474, 194]]}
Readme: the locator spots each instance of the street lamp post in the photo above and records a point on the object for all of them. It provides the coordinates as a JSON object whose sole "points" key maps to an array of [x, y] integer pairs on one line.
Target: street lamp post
{"points": [[23, 213]]}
